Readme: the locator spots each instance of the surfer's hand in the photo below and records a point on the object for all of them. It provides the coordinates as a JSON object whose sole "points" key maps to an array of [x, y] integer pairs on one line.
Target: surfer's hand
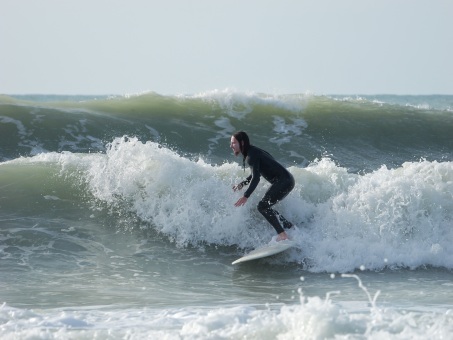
{"points": [[241, 201], [238, 187]]}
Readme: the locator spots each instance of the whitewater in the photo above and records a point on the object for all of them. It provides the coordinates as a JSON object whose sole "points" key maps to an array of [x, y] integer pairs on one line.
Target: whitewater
{"points": [[117, 217]]}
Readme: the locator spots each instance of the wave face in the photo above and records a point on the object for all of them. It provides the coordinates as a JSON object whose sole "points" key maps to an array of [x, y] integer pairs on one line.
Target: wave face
{"points": [[392, 218]]}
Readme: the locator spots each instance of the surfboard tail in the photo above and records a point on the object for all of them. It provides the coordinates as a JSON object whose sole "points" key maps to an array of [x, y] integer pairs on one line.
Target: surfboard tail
{"points": [[265, 251]]}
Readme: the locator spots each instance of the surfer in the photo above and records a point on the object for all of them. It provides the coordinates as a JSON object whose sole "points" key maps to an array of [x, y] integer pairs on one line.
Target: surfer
{"points": [[263, 164]]}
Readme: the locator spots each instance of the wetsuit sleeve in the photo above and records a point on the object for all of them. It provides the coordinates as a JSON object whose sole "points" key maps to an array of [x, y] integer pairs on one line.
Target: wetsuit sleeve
{"points": [[255, 179], [247, 180]]}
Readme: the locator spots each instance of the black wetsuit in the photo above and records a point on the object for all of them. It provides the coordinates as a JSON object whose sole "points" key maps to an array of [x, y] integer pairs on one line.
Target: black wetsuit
{"points": [[263, 164]]}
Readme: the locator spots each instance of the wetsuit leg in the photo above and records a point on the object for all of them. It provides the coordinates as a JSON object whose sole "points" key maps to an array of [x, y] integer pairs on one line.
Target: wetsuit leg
{"points": [[278, 191]]}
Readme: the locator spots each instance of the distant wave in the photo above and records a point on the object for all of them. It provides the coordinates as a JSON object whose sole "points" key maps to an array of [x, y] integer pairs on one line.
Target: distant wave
{"points": [[360, 133]]}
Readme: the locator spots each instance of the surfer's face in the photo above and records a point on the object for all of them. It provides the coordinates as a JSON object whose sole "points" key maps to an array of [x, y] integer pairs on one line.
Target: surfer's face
{"points": [[234, 144]]}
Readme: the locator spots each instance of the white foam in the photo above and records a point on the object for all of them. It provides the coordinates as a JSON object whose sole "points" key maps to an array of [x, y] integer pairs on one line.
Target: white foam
{"points": [[286, 131], [311, 318], [239, 104], [190, 202], [385, 218], [22, 131], [24, 134], [399, 217], [51, 198], [226, 132]]}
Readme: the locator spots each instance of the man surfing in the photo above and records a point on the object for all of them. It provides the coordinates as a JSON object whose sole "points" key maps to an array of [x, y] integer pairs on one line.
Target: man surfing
{"points": [[263, 164]]}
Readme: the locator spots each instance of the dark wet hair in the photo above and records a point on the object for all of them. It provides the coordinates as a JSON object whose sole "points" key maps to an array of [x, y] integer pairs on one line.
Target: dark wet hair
{"points": [[244, 144]]}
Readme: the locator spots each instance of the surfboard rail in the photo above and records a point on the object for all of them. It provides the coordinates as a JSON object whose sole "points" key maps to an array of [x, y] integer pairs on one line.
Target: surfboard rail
{"points": [[266, 250]]}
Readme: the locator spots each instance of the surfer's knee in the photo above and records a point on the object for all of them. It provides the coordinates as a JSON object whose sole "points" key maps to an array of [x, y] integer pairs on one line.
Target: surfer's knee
{"points": [[263, 206]]}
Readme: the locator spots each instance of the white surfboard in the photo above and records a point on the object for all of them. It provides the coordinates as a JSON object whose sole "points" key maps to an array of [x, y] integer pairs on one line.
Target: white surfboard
{"points": [[266, 250]]}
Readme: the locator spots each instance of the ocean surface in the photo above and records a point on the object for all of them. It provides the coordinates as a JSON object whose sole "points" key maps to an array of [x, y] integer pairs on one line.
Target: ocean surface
{"points": [[117, 217]]}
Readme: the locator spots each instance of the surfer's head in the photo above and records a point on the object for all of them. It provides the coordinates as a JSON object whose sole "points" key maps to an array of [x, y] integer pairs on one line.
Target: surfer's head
{"points": [[240, 143]]}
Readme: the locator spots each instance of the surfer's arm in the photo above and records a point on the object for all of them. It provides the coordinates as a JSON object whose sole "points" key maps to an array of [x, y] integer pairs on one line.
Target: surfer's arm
{"points": [[255, 179]]}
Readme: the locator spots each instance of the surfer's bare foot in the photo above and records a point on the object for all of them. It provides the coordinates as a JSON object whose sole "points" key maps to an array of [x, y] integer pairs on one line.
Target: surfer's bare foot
{"points": [[282, 236]]}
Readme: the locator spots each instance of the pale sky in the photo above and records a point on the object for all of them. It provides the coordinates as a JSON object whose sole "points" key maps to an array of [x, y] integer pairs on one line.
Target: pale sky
{"points": [[192, 46]]}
